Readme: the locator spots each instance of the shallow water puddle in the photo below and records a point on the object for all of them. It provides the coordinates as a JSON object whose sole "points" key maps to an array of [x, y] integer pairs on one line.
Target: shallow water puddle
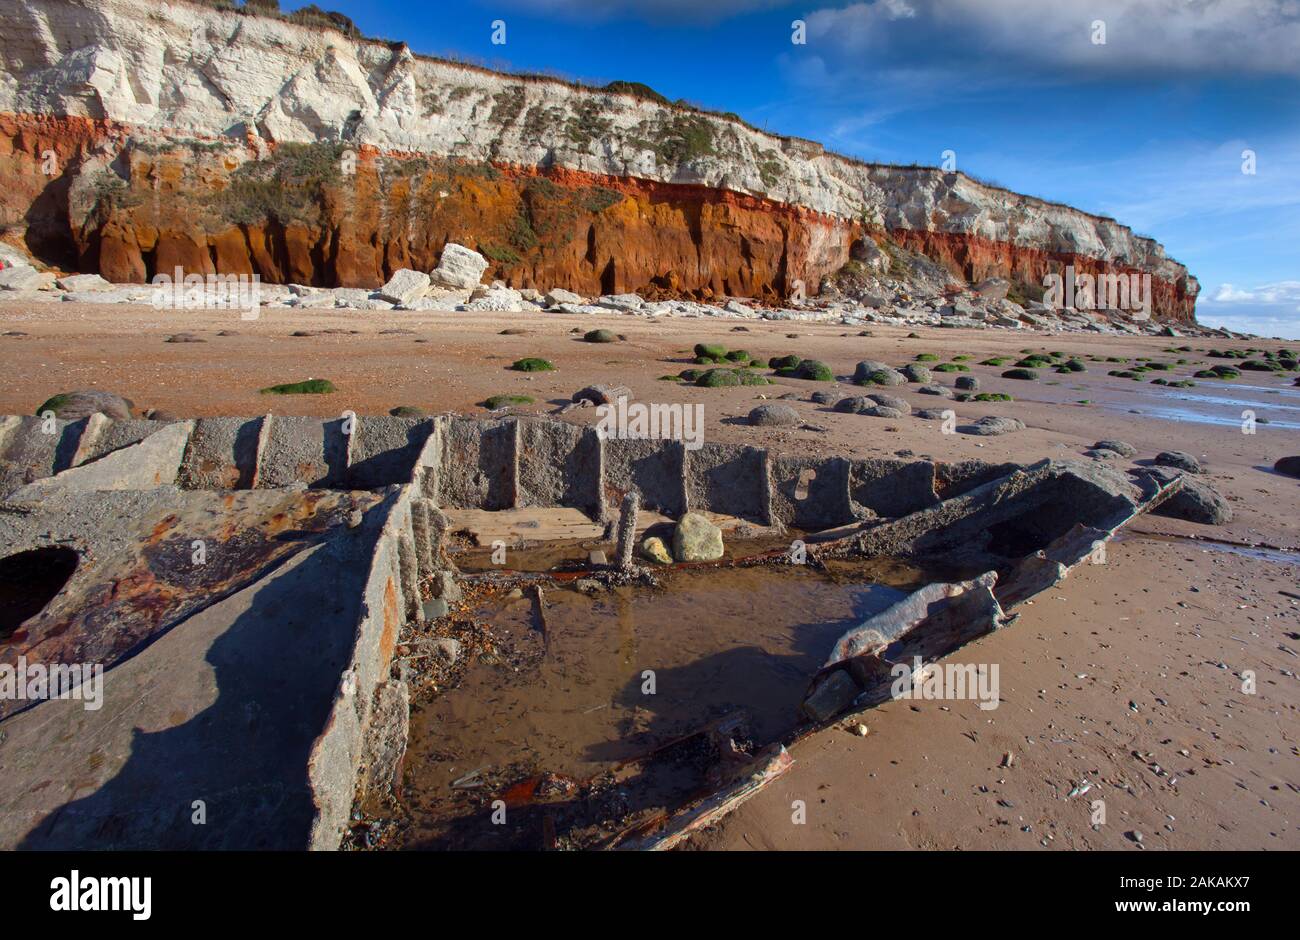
{"points": [[1257, 553], [567, 716], [1194, 416], [1221, 405]]}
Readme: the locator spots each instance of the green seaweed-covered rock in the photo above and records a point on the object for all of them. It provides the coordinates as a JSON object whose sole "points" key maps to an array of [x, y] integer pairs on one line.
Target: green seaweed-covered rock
{"points": [[1035, 362], [719, 378], [533, 364], [814, 371], [307, 387], [505, 401]]}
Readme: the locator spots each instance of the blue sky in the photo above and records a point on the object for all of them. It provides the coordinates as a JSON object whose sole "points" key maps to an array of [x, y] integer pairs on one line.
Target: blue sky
{"points": [[1148, 127]]}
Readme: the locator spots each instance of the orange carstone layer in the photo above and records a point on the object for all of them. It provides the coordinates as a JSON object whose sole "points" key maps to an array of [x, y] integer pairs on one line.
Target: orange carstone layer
{"points": [[585, 232]]}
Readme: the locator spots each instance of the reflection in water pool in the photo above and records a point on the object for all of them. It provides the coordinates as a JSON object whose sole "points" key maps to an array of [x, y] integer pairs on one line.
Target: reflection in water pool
{"points": [[623, 672], [1219, 404]]}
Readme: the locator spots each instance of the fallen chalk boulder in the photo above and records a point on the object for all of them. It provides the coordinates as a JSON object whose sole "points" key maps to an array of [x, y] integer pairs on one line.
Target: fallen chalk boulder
{"points": [[459, 267], [405, 287]]}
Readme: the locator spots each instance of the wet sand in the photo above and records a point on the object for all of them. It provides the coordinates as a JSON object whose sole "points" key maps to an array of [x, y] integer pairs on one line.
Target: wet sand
{"points": [[1196, 764], [1135, 628]]}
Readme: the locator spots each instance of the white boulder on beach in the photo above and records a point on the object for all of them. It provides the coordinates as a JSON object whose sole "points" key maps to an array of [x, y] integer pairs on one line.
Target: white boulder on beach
{"points": [[459, 267]]}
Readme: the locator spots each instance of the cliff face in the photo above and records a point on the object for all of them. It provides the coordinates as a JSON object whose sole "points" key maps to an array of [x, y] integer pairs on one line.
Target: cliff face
{"points": [[137, 135]]}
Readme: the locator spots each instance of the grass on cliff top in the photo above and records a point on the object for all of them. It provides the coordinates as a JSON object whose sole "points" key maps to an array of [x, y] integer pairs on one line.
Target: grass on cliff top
{"points": [[636, 90], [307, 387], [313, 16], [310, 15]]}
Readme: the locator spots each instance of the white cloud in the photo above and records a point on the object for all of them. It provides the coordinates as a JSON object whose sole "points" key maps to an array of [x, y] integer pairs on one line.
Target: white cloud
{"points": [[1279, 293], [1285, 327], [1151, 36], [1267, 310]]}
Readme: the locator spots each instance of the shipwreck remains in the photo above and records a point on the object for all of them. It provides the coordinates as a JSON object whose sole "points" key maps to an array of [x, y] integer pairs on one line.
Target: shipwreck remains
{"points": [[245, 583]]}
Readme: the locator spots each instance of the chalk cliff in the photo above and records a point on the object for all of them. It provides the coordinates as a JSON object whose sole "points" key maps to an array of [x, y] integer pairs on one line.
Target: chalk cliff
{"points": [[137, 135]]}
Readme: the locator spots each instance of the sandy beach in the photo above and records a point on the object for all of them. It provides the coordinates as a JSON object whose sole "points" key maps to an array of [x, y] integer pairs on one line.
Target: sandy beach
{"points": [[1122, 684]]}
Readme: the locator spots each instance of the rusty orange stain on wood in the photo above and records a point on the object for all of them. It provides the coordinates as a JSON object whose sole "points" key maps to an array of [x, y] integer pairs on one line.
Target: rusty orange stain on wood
{"points": [[167, 523], [388, 638]]}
